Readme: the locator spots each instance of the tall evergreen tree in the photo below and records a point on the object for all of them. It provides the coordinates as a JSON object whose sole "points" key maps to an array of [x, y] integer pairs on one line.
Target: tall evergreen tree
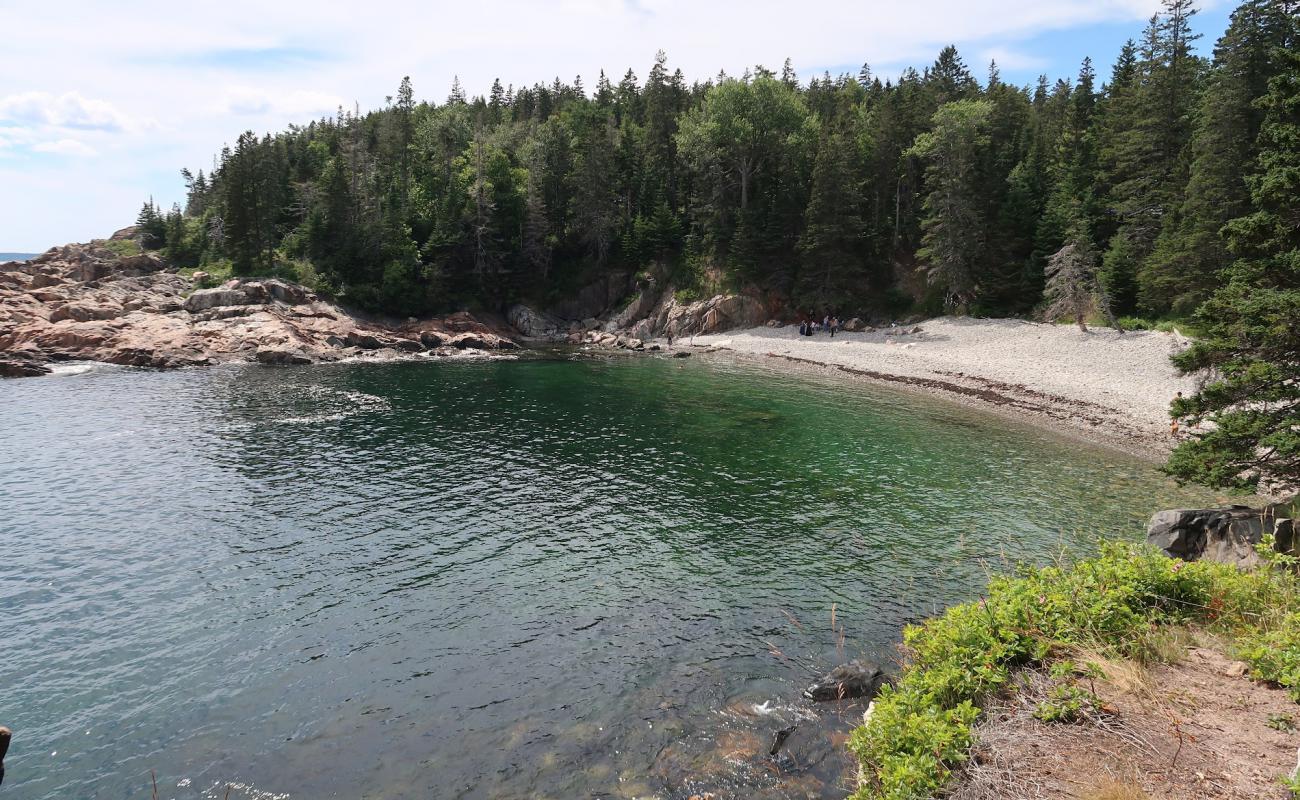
{"points": [[1252, 325], [954, 225], [832, 242]]}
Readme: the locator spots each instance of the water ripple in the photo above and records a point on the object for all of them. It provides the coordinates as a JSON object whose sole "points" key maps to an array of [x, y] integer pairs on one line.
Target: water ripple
{"points": [[486, 579]]}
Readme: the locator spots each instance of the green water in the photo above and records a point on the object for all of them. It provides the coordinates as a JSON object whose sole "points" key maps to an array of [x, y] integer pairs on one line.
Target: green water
{"points": [[522, 578]]}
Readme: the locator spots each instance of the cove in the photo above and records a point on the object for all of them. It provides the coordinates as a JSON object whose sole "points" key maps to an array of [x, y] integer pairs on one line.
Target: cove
{"points": [[543, 577]]}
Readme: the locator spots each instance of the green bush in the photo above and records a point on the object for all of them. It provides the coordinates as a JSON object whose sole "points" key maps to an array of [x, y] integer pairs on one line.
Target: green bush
{"points": [[920, 729], [1274, 655]]}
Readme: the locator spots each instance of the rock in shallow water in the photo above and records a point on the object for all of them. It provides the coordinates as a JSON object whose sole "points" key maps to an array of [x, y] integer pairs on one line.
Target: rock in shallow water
{"points": [[854, 679]]}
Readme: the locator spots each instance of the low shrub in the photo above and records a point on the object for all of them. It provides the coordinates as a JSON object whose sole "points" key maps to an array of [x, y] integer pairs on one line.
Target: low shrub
{"points": [[1116, 604]]}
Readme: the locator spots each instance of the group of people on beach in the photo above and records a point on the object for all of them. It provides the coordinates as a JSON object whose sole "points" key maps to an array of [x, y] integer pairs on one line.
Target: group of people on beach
{"points": [[810, 325]]}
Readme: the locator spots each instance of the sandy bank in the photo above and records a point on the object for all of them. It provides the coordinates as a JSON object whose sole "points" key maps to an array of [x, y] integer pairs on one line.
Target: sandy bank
{"points": [[1109, 388]]}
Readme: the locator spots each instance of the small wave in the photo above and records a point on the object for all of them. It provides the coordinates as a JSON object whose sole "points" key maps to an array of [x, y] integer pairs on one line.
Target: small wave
{"points": [[81, 368], [315, 418]]}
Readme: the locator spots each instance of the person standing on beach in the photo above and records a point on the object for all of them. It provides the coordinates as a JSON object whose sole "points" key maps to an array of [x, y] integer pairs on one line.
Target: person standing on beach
{"points": [[1173, 423]]}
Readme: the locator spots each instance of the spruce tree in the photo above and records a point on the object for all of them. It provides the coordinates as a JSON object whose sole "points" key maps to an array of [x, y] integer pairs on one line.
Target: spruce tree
{"points": [[831, 245], [1191, 253], [1251, 342], [954, 225]]}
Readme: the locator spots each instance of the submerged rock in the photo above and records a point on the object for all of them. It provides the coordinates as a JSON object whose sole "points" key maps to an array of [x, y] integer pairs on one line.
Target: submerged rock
{"points": [[854, 679]]}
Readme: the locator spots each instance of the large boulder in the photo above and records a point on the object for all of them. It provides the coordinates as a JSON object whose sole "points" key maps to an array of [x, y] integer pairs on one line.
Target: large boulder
{"points": [[854, 679], [142, 264], [1226, 535], [204, 299], [535, 324]]}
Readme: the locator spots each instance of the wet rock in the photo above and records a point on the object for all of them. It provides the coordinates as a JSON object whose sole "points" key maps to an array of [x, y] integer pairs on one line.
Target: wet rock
{"points": [[681, 354], [434, 339], [778, 739], [282, 355], [854, 679], [366, 340], [21, 368]]}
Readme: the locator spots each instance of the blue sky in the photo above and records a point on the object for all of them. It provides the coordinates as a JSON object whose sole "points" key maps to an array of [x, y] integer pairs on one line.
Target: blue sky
{"points": [[129, 93]]}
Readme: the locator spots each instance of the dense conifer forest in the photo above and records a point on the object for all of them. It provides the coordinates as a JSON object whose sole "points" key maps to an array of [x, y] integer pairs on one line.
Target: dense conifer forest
{"points": [[941, 190]]}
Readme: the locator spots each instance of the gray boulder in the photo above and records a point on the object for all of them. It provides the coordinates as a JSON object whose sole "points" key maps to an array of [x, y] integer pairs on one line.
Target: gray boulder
{"points": [[854, 679], [535, 324], [1226, 535]]}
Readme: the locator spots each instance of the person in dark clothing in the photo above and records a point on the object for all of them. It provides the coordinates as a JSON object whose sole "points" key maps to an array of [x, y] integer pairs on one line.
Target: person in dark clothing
{"points": [[5, 736]]}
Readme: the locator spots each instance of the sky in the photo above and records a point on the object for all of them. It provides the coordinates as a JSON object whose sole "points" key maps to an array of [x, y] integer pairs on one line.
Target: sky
{"points": [[102, 104]]}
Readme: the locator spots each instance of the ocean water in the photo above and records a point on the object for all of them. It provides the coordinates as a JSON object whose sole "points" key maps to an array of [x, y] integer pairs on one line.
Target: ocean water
{"points": [[564, 576]]}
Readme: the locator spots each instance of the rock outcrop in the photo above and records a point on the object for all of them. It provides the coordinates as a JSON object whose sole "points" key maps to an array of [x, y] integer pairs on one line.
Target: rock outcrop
{"points": [[675, 319], [85, 302], [854, 679], [535, 324], [1226, 535]]}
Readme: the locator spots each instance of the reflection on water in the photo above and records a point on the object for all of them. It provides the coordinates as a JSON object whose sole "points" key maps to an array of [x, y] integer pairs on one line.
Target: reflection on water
{"points": [[533, 578]]}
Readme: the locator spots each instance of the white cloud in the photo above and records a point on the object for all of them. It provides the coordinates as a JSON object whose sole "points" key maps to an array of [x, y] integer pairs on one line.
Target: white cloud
{"points": [[296, 103], [67, 147], [1012, 59], [67, 110]]}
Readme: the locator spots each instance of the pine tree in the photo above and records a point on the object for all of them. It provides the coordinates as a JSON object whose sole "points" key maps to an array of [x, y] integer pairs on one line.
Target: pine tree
{"points": [[152, 227], [954, 225], [831, 245], [1251, 342], [1191, 253], [457, 94]]}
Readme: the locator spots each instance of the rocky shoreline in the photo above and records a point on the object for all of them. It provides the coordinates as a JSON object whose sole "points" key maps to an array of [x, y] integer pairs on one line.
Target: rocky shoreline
{"points": [[85, 302]]}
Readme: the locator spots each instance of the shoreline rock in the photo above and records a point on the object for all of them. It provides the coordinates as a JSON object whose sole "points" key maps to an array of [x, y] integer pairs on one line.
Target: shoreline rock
{"points": [[1225, 535], [85, 302]]}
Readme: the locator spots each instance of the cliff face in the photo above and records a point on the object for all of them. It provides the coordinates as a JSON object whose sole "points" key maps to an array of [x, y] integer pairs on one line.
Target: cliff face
{"points": [[85, 302]]}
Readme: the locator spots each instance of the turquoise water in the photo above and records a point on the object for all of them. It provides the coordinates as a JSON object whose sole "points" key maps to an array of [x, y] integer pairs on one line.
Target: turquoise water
{"points": [[552, 577]]}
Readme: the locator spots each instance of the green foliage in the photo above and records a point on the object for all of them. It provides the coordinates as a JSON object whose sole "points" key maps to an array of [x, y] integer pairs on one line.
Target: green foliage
{"points": [[1066, 703], [920, 728], [1252, 324], [121, 247], [1281, 722], [1274, 655], [836, 193], [954, 221]]}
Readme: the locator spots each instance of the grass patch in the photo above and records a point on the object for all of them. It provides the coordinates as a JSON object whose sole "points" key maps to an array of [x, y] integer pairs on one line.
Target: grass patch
{"points": [[121, 247], [1129, 604]]}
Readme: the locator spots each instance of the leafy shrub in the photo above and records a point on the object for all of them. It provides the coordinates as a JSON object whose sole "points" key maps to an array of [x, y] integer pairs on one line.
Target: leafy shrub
{"points": [[920, 729], [1274, 655], [1065, 703]]}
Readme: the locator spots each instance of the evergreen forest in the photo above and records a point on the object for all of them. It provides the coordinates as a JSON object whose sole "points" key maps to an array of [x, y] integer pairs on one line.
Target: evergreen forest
{"points": [[940, 191]]}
